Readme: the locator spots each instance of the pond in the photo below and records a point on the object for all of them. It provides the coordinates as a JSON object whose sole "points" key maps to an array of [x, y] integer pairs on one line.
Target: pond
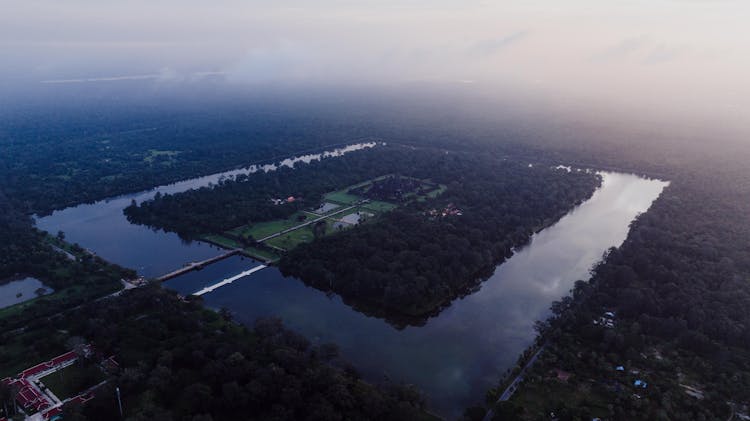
{"points": [[457, 355], [326, 207], [21, 289]]}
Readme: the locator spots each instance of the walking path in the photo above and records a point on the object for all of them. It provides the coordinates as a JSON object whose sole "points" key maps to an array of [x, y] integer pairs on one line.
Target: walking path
{"points": [[288, 230], [513, 386], [197, 265], [228, 281]]}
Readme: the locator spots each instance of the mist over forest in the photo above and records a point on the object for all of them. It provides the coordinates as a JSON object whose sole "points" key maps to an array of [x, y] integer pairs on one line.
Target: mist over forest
{"points": [[333, 210]]}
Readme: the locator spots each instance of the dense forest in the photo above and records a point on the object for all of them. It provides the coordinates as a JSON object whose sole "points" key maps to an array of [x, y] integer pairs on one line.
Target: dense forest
{"points": [[247, 199], [678, 286], [72, 155], [58, 153], [75, 275], [410, 262], [421, 256], [678, 289], [179, 361]]}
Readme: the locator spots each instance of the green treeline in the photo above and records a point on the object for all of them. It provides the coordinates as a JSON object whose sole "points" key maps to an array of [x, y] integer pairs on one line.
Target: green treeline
{"points": [[26, 251], [410, 261], [248, 198], [67, 156], [678, 287], [179, 361], [415, 259]]}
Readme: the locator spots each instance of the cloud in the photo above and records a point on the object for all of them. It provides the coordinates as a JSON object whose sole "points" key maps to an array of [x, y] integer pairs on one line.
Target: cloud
{"points": [[283, 61], [493, 46], [103, 79], [166, 75], [664, 53], [643, 49], [622, 49]]}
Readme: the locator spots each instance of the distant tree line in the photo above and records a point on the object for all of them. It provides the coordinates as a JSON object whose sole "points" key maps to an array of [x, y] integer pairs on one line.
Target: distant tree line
{"points": [[247, 199], [78, 153]]}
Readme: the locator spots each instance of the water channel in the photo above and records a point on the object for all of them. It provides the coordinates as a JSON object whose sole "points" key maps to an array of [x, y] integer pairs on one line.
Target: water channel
{"points": [[454, 357], [21, 289]]}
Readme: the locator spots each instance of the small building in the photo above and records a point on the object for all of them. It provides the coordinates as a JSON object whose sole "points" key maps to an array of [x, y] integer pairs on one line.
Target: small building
{"points": [[561, 375], [607, 320]]}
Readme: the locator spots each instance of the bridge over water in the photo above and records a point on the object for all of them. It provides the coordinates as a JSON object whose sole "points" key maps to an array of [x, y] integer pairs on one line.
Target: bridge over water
{"points": [[197, 265]]}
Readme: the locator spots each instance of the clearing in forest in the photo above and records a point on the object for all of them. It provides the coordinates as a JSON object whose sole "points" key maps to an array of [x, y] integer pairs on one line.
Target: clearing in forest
{"points": [[339, 210]]}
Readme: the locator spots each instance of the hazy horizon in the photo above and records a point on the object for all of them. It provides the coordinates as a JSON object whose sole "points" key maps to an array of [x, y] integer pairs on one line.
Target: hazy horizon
{"points": [[663, 62]]}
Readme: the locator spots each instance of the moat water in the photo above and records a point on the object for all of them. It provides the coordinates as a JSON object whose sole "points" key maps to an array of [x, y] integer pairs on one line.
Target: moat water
{"points": [[21, 289], [454, 357]]}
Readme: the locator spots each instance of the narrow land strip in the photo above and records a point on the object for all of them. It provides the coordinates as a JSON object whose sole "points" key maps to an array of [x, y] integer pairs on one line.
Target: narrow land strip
{"points": [[228, 281]]}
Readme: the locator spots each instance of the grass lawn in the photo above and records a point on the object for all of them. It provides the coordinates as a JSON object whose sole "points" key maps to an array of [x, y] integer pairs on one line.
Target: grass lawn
{"points": [[18, 355], [292, 239], [432, 194], [342, 197], [264, 229], [378, 206], [154, 153], [260, 253], [72, 380], [364, 183], [437, 192], [222, 241]]}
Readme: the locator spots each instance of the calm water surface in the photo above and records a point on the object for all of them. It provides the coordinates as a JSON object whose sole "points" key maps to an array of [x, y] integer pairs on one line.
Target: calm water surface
{"points": [[102, 227], [26, 287], [455, 356]]}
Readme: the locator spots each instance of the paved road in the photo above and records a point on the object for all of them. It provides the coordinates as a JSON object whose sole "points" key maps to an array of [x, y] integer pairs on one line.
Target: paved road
{"points": [[197, 265], [513, 386], [229, 280], [305, 224]]}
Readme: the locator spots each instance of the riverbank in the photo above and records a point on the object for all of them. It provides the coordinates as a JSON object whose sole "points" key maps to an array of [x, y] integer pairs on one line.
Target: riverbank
{"points": [[455, 356], [461, 352]]}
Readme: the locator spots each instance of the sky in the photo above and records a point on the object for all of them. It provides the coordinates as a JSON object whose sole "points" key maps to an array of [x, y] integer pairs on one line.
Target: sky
{"points": [[684, 58]]}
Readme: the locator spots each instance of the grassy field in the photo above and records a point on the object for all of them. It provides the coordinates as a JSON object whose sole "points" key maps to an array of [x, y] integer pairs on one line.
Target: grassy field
{"points": [[437, 192], [222, 241], [292, 239], [342, 197], [260, 253], [153, 154], [18, 355], [72, 380], [378, 206], [264, 229]]}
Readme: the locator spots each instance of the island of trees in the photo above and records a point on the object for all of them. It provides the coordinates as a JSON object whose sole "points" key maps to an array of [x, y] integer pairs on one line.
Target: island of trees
{"points": [[412, 260]]}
